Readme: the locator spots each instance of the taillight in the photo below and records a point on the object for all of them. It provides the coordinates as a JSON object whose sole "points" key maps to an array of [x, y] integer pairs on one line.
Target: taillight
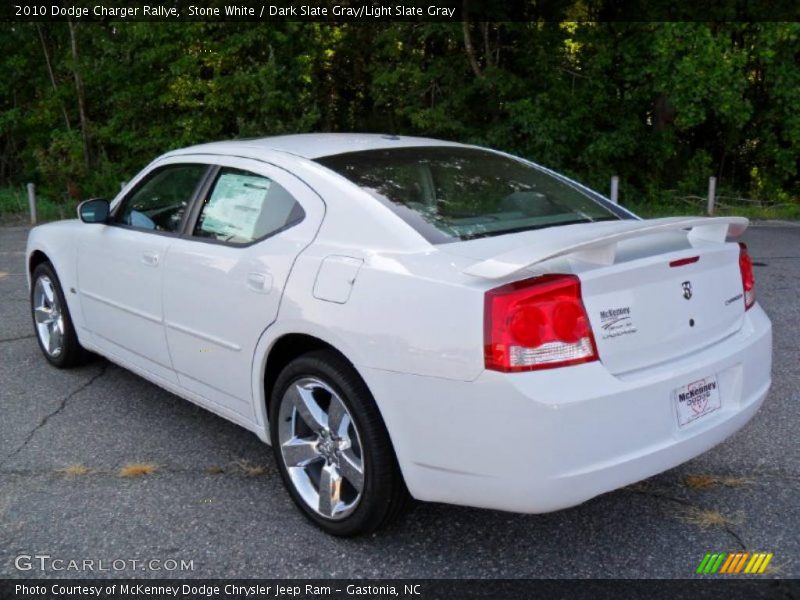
{"points": [[537, 323], [748, 280]]}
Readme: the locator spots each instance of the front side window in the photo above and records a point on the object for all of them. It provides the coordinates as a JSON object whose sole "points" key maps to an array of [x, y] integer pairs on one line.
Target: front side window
{"points": [[450, 193], [243, 207], [160, 201]]}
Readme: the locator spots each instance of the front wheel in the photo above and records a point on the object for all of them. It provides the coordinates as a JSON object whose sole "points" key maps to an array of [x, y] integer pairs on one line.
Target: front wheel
{"points": [[52, 321], [332, 448]]}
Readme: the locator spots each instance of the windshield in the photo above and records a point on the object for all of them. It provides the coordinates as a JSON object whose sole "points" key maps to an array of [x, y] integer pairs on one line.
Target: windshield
{"points": [[450, 193]]}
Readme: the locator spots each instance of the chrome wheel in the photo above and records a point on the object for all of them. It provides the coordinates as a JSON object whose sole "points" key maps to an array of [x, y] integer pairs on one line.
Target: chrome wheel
{"points": [[321, 448], [48, 316]]}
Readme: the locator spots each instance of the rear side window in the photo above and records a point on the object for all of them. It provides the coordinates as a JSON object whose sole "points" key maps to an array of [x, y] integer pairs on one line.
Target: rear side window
{"points": [[450, 193], [243, 207], [160, 201]]}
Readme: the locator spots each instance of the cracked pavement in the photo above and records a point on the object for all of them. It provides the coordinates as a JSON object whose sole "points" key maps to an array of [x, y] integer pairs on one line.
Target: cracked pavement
{"points": [[203, 504]]}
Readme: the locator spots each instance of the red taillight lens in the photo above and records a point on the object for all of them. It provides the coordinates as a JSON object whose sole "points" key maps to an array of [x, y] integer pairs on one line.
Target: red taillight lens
{"points": [[682, 262], [537, 323], [748, 280]]}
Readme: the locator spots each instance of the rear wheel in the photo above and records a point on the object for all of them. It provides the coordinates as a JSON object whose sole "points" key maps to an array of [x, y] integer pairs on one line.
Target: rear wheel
{"points": [[332, 447], [52, 321]]}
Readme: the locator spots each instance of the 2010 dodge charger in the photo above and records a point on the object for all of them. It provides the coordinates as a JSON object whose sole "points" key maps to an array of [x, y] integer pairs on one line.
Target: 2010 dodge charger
{"points": [[399, 315]]}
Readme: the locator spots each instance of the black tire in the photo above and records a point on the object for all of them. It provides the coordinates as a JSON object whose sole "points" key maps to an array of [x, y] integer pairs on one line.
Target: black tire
{"points": [[72, 353], [384, 496]]}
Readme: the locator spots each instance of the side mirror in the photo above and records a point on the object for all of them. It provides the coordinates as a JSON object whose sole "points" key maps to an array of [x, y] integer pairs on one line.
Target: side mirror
{"points": [[95, 210]]}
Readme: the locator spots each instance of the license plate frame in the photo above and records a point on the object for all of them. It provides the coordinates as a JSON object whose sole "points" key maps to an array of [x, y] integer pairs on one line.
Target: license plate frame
{"points": [[696, 399]]}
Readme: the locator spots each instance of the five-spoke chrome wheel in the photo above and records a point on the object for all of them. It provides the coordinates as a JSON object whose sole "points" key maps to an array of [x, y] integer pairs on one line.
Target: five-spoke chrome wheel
{"points": [[48, 316], [321, 448]]}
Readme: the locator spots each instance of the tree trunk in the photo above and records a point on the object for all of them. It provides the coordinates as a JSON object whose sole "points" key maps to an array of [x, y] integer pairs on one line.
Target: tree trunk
{"points": [[470, 50], [52, 76], [487, 45], [79, 93]]}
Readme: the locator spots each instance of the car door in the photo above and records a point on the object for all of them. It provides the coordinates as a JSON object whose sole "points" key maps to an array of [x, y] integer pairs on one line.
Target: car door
{"points": [[120, 267], [223, 282]]}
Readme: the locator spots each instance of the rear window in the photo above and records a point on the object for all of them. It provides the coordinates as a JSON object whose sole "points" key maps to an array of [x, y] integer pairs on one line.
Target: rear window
{"points": [[449, 194]]}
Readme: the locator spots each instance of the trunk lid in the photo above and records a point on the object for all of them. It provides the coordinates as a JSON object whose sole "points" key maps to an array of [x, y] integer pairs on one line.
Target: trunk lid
{"points": [[643, 310]]}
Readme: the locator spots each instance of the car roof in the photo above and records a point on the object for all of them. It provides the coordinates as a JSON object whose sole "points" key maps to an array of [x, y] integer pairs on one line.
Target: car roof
{"points": [[313, 145]]}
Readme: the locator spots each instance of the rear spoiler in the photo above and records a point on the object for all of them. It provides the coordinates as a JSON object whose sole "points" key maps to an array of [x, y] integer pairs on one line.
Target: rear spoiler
{"points": [[596, 243]]}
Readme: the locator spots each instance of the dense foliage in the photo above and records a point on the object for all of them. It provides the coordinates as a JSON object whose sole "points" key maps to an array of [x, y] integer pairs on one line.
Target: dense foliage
{"points": [[664, 105]]}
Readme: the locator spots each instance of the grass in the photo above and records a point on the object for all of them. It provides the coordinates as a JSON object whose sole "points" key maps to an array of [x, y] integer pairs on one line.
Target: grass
{"points": [[14, 207], [669, 203], [249, 469], [75, 470], [705, 482], [776, 569], [137, 469], [140, 469], [754, 213], [706, 518]]}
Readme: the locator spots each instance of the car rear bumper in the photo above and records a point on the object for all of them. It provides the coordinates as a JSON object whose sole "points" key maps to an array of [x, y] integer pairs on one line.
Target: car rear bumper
{"points": [[542, 441]]}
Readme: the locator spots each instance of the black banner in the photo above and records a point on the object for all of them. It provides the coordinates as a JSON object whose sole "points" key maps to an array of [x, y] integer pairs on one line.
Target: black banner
{"points": [[399, 10], [403, 589]]}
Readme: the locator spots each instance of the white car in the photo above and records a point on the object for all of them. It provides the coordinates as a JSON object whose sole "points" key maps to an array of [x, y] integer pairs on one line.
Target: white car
{"points": [[399, 315]]}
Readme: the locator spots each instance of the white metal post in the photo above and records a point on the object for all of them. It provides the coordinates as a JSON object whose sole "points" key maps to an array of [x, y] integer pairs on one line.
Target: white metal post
{"points": [[712, 190], [615, 189], [32, 202]]}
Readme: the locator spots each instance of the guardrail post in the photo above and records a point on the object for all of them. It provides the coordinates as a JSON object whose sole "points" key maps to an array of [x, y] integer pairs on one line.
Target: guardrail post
{"points": [[615, 189], [32, 202], [712, 190]]}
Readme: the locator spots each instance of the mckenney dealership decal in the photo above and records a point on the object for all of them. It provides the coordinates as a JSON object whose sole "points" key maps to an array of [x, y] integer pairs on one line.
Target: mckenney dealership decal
{"points": [[697, 399], [616, 322], [697, 393]]}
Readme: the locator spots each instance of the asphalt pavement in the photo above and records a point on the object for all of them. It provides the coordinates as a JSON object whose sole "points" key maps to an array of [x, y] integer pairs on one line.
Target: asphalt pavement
{"points": [[216, 500]]}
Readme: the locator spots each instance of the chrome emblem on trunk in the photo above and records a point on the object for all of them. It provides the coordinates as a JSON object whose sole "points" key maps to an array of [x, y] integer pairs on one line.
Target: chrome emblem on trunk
{"points": [[687, 289]]}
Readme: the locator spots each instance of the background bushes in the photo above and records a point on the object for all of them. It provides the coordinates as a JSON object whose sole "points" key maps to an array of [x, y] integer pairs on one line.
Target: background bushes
{"points": [[663, 105]]}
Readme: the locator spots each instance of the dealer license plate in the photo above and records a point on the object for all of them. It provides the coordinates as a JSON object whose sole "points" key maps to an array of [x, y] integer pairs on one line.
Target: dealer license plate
{"points": [[697, 399]]}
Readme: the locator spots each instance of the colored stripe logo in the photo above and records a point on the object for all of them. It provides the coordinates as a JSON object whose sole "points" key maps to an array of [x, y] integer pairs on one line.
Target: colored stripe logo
{"points": [[734, 562]]}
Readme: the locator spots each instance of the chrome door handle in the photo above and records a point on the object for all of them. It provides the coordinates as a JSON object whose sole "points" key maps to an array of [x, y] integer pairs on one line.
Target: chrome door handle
{"points": [[150, 258], [259, 282]]}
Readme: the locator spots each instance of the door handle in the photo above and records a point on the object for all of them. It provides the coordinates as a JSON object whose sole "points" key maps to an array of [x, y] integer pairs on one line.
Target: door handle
{"points": [[259, 282], [150, 259]]}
